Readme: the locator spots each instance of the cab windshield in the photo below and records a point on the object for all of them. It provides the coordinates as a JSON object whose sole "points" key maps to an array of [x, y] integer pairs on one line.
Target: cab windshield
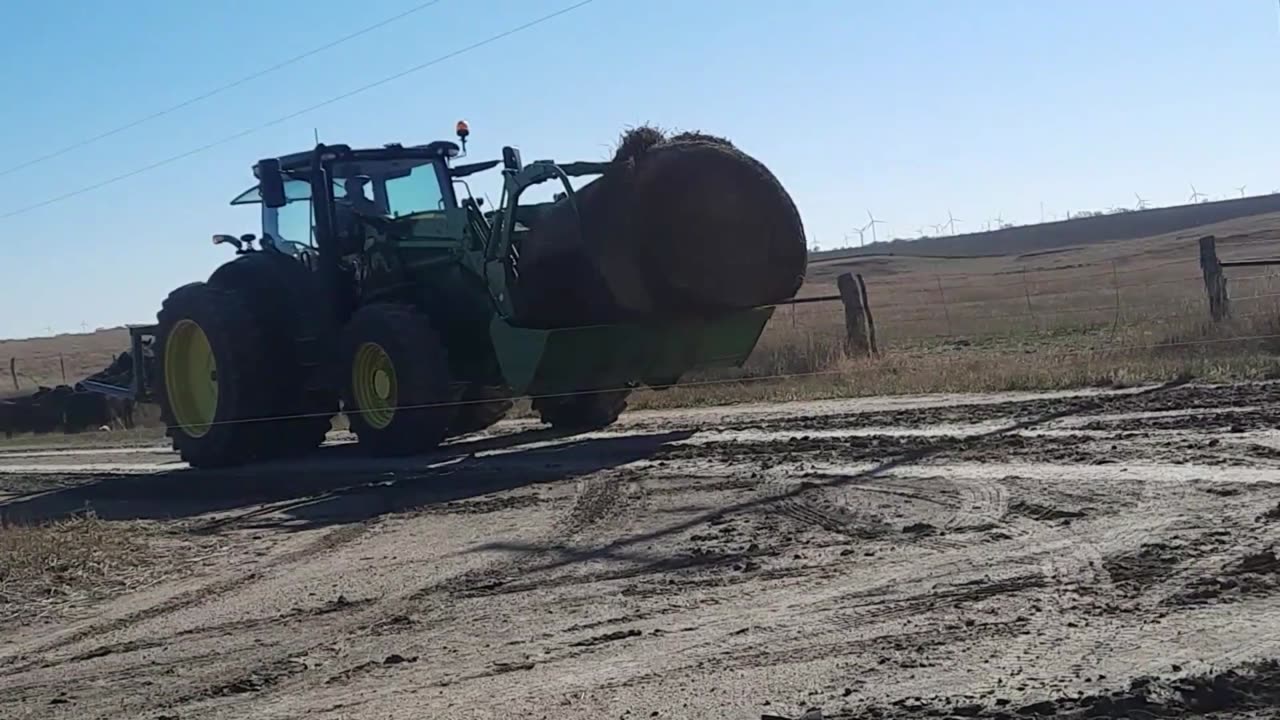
{"points": [[379, 187], [390, 188]]}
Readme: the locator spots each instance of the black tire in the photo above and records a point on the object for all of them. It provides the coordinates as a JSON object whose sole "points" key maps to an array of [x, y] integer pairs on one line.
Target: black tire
{"points": [[289, 307], [480, 408], [584, 412], [421, 399], [233, 437]]}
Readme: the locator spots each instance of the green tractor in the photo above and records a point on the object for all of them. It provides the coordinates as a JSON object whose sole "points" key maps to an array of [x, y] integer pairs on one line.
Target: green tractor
{"points": [[382, 289]]}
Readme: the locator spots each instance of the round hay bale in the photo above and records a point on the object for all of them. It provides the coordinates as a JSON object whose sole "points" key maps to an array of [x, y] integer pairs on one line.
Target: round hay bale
{"points": [[680, 226], [713, 229]]}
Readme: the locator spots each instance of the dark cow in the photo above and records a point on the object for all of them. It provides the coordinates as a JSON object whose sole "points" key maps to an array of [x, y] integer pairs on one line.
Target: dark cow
{"points": [[41, 412], [89, 410], [84, 410], [9, 417]]}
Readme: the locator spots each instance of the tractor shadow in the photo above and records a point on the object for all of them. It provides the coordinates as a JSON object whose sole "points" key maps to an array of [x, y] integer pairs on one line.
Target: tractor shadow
{"points": [[337, 484]]}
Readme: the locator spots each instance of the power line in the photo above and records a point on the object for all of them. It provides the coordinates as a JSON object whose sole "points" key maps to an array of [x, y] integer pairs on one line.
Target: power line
{"points": [[271, 123], [217, 91]]}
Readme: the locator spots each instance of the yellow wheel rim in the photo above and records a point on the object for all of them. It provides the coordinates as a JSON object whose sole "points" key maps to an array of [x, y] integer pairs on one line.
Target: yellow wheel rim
{"points": [[373, 383], [191, 378]]}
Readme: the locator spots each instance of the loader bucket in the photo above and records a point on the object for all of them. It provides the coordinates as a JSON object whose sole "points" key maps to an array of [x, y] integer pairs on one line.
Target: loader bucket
{"points": [[597, 357]]}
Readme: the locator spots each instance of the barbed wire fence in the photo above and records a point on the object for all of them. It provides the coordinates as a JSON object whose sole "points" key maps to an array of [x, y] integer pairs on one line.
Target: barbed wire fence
{"points": [[1105, 305]]}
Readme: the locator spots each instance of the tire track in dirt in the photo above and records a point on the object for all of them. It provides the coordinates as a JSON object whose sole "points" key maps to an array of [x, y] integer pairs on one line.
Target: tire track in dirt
{"points": [[596, 498], [1158, 508], [1080, 569], [279, 667], [1069, 561], [847, 604], [1151, 558]]}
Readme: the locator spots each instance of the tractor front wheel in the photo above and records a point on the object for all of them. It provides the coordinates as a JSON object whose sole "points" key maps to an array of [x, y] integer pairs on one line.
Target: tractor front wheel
{"points": [[480, 408], [582, 412], [212, 375], [397, 395]]}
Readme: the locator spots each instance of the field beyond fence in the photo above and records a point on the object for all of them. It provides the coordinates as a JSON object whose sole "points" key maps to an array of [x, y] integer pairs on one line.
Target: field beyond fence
{"points": [[1110, 314]]}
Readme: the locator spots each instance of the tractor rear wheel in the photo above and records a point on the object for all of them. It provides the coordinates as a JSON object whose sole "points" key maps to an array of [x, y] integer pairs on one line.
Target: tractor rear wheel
{"points": [[584, 412], [286, 301], [397, 395], [213, 375]]}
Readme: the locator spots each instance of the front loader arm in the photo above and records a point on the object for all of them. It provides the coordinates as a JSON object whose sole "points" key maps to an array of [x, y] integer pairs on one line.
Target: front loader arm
{"points": [[498, 259]]}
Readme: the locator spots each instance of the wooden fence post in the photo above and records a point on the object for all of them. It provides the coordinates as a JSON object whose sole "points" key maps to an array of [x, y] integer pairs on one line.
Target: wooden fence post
{"points": [[946, 311], [13, 372], [1215, 282], [855, 316], [866, 312]]}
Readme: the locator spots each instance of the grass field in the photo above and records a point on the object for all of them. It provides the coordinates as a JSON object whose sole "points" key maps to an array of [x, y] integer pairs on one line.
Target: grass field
{"points": [[1114, 313]]}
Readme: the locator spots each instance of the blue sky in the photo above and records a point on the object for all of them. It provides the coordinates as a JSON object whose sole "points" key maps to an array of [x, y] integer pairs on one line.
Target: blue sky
{"points": [[906, 107]]}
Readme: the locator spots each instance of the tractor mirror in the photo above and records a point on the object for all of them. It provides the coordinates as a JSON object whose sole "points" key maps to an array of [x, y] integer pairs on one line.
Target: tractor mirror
{"points": [[271, 183], [511, 159]]}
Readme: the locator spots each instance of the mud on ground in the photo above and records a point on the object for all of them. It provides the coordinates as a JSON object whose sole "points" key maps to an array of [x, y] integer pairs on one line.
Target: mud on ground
{"points": [[1062, 555]]}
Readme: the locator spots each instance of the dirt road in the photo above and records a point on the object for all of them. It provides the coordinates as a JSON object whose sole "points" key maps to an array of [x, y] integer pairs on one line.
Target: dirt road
{"points": [[1088, 555]]}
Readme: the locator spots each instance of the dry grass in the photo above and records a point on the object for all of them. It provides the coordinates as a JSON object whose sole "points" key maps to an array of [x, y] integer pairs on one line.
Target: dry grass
{"points": [[40, 361], [46, 567]]}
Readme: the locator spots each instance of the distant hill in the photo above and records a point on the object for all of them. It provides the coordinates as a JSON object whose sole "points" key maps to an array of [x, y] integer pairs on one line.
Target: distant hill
{"points": [[1125, 225]]}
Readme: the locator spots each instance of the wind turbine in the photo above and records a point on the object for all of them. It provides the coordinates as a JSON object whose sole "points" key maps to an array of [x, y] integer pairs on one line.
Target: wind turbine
{"points": [[998, 220], [920, 232], [1196, 194], [1142, 203], [951, 222], [871, 223], [1241, 189], [862, 235], [938, 228]]}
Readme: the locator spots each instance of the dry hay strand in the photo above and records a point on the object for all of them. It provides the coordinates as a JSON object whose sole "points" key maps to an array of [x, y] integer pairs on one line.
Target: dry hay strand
{"points": [[636, 142], [82, 558], [699, 136]]}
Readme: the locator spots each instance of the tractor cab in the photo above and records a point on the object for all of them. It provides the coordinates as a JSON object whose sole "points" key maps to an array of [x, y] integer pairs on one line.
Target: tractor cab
{"points": [[382, 184]]}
